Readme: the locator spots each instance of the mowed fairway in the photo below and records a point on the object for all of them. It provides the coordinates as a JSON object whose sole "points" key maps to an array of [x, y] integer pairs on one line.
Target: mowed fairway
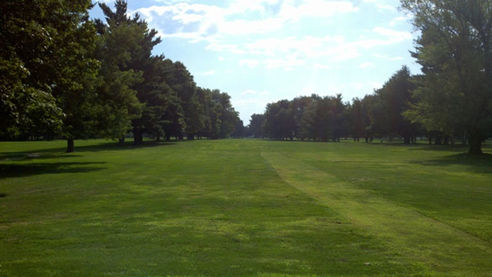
{"points": [[244, 207]]}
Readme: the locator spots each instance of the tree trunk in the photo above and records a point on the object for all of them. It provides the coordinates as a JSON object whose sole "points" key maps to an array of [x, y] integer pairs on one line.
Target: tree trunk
{"points": [[121, 140], [475, 147], [137, 136], [191, 137], [438, 140], [406, 140], [70, 145]]}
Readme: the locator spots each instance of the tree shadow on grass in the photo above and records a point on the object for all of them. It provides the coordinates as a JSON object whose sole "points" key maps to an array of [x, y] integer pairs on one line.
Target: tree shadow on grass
{"points": [[34, 155], [113, 146], [24, 170], [59, 152], [476, 163]]}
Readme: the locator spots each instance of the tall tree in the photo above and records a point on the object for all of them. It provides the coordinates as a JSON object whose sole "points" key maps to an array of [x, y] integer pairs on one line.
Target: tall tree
{"points": [[138, 49], [455, 51], [49, 51], [396, 99], [119, 38]]}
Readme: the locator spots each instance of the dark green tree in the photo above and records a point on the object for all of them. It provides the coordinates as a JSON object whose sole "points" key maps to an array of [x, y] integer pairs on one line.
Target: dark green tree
{"points": [[137, 53], [454, 49], [256, 125], [395, 97], [49, 51]]}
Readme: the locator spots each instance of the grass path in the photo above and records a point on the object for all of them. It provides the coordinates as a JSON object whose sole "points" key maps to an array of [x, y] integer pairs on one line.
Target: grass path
{"points": [[439, 247]]}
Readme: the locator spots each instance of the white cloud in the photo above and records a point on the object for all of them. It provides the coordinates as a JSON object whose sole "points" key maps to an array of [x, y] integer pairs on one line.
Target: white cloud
{"points": [[252, 101], [366, 65], [399, 19], [387, 57], [322, 66], [257, 30], [251, 92], [382, 5], [249, 63], [207, 73], [203, 22]]}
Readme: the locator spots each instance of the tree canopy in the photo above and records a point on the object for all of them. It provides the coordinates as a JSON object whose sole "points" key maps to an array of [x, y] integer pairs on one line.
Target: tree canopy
{"points": [[454, 93], [64, 75]]}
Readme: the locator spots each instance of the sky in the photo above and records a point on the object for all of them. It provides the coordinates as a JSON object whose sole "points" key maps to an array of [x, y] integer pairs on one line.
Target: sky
{"points": [[262, 51]]}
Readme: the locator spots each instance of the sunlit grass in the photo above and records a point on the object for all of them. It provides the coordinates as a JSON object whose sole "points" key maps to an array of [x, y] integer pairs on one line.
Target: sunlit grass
{"points": [[243, 207]]}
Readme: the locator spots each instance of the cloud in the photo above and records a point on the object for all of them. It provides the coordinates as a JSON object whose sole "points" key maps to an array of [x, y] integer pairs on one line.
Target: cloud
{"points": [[207, 73], [249, 63], [258, 30], [381, 5], [252, 101], [399, 19], [387, 57], [366, 65], [241, 17]]}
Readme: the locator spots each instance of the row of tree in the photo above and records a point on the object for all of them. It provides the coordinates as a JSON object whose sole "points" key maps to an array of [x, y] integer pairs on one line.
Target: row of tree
{"points": [[329, 118], [452, 98], [63, 74]]}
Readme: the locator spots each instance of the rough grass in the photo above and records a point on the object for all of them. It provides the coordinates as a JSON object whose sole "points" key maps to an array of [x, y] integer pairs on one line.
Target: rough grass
{"points": [[244, 207]]}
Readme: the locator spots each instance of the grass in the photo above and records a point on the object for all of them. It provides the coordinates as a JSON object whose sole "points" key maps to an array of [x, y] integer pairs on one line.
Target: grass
{"points": [[244, 207]]}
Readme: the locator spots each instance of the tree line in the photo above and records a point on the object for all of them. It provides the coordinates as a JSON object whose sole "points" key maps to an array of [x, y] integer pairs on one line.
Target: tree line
{"points": [[451, 99], [65, 75], [329, 118]]}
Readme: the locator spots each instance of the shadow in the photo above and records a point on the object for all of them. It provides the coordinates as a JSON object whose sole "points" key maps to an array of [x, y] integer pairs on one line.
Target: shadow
{"points": [[452, 148], [114, 146], [33, 155], [459, 148], [476, 163], [23, 170], [59, 152], [2, 195]]}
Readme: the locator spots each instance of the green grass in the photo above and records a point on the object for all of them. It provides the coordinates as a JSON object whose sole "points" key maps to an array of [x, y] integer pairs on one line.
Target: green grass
{"points": [[244, 207]]}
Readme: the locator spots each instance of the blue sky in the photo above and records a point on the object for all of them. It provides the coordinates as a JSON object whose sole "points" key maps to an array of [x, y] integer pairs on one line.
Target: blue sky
{"points": [[261, 51]]}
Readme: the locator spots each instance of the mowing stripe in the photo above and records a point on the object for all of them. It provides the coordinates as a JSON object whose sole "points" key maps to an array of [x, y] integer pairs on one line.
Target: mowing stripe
{"points": [[443, 249]]}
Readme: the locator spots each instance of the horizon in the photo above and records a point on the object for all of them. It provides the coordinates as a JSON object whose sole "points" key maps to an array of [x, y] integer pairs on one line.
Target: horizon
{"points": [[282, 49]]}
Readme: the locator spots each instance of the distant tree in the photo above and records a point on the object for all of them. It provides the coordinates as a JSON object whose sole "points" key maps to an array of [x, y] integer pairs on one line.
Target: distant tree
{"points": [[279, 121], [395, 96], [357, 119], [239, 129], [256, 125], [299, 106], [224, 115], [219, 117], [454, 49], [181, 81]]}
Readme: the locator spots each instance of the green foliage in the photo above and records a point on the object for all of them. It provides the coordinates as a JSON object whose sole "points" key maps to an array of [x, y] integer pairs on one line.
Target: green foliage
{"points": [[315, 117], [138, 98], [256, 125], [48, 68], [455, 91], [395, 97], [118, 40]]}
